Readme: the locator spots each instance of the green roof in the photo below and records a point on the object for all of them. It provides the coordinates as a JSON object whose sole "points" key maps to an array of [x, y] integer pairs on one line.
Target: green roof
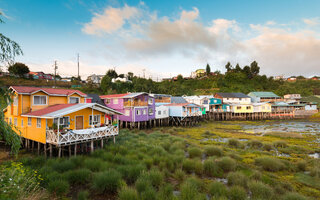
{"points": [[264, 94]]}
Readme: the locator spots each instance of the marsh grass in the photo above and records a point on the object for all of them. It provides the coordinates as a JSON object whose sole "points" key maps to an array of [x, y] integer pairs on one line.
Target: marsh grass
{"points": [[59, 187], [270, 164], [237, 178], [237, 193], [128, 193], [107, 181], [260, 190], [217, 189], [213, 151], [195, 152]]}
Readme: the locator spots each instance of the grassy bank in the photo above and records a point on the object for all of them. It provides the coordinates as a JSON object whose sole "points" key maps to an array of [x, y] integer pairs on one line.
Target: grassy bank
{"points": [[215, 160]]}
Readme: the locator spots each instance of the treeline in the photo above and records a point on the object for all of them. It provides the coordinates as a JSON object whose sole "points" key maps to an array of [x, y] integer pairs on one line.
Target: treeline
{"points": [[236, 79]]}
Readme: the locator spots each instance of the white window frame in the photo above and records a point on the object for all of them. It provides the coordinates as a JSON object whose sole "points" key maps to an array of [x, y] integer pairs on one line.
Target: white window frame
{"points": [[38, 124], [15, 100], [144, 112], [164, 112], [74, 98], [21, 122], [152, 111], [10, 121], [15, 121], [150, 101], [127, 112], [159, 112], [40, 96], [115, 101], [138, 112], [29, 121], [96, 120]]}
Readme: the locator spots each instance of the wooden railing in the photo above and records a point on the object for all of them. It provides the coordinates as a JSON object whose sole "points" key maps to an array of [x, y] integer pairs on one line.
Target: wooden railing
{"points": [[133, 104], [78, 136]]}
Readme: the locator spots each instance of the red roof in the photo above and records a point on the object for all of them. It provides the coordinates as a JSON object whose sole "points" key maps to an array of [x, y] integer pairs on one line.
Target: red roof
{"points": [[49, 109], [52, 91], [113, 96]]}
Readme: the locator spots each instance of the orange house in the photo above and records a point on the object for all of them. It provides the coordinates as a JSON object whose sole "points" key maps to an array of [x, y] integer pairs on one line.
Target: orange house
{"points": [[58, 116]]}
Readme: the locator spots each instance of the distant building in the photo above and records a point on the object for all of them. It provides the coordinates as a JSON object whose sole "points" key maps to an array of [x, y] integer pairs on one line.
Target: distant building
{"points": [[280, 77], [292, 97], [40, 75], [315, 78], [233, 98], [198, 73], [292, 78], [264, 97], [66, 79], [96, 79], [125, 79]]}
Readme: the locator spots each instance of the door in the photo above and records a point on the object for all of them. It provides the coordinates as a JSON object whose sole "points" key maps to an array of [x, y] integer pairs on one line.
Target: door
{"points": [[79, 122]]}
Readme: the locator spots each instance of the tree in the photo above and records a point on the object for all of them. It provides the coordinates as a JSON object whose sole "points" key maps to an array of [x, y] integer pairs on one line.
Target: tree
{"points": [[254, 68], [112, 73], [130, 76], [106, 83], [228, 67], [238, 68], [208, 69], [8, 50], [18, 69]]}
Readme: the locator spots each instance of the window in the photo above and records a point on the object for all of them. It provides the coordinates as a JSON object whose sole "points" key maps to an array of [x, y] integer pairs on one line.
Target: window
{"points": [[248, 107], [263, 107], [238, 107], [21, 122], [10, 121], [63, 121], [144, 112], [74, 100], [205, 102], [164, 112], [15, 101], [215, 101], [29, 121], [15, 121], [38, 123], [39, 100], [127, 113], [150, 111], [115, 101], [240, 99], [150, 101], [138, 112], [107, 101], [96, 120], [159, 112]]}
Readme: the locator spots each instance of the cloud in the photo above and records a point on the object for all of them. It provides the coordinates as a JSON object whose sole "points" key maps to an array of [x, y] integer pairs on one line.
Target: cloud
{"points": [[312, 21], [111, 20]]}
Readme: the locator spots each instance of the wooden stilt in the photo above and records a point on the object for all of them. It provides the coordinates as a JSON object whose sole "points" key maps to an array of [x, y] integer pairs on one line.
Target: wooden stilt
{"points": [[32, 146], [75, 150], [38, 148], [45, 150], [114, 139], [69, 150], [92, 148], [59, 153], [50, 149], [102, 144]]}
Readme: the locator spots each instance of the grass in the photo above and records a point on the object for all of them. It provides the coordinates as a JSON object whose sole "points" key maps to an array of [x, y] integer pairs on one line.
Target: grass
{"points": [[158, 165]]}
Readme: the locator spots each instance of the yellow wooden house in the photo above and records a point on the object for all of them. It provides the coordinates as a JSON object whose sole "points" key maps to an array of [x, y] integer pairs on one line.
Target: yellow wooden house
{"points": [[59, 116], [241, 108]]}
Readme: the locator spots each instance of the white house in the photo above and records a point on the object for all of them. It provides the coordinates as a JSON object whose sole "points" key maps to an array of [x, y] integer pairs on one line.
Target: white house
{"points": [[96, 79], [233, 98], [162, 111], [199, 100]]}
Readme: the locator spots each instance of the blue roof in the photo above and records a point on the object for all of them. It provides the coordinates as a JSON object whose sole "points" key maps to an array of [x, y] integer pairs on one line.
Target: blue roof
{"points": [[178, 100]]}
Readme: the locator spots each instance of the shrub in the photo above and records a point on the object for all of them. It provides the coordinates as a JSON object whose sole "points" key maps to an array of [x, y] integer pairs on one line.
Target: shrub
{"points": [[293, 196], [213, 151], [255, 144], [94, 164], [217, 189], [212, 169], [108, 181], [237, 193], [80, 176], [179, 175], [267, 146], [148, 162], [280, 144], [148, 194], [315, 172], [59, 187], [142, 183], [156, 178], [198, 167], [63, 166], [131, 172], [194, 152], [127, 193], [227, 164], [234, 143], [166, 193], [189, 192], [196, 183], [256, 176], [237, 178], [83, 195], [301, 165], [269, 164], [260, 191], [188, 165]]}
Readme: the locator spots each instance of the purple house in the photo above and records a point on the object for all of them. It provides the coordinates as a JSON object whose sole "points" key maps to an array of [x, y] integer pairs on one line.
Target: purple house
{"points": [[136, 107]]}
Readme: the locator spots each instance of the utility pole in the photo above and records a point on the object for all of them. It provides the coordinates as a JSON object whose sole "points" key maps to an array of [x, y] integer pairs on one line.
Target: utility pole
{"points": [[55, 72], [144, 75], [78, 67]]}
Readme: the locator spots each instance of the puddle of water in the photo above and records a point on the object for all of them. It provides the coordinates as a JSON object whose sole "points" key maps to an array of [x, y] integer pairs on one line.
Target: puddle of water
{"points": [[315, 155], [224, 140]]}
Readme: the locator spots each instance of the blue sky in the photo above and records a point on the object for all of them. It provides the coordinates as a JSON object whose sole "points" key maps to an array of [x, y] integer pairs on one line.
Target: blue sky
{"points": [[165, 37]]}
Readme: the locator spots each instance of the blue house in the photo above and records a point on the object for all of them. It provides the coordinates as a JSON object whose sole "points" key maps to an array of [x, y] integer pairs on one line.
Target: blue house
{"points": [[184, 110]]}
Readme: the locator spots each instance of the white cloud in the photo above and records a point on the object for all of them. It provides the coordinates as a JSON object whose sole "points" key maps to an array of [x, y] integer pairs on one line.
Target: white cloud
{"points": [[312, 21], [111, 20]]}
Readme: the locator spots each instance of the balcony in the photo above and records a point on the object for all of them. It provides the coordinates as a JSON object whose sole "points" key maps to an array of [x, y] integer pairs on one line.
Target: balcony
{"points": [[135, 104], [78, 136]]}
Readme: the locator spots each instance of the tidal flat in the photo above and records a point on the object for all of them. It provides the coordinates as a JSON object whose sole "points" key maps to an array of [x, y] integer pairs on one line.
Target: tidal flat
{"points": [[215, 160]]}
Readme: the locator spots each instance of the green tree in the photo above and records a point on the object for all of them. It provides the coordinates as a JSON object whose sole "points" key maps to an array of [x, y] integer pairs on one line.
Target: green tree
{"points": [[112, 74], [208, 69], [228, 67], [255, 69], [18, 69], [106, 84], [238, 68], [130, 76]]}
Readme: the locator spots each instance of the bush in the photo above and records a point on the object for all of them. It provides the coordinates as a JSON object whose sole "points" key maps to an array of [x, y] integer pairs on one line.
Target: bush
{"points": [[237, 178], [94, 164], [188, 165], [63, 166], [227, 164], [255, 144], [256, 176], [213, 151], [234, 143], [196, 183], [217, 189], [212, 169], [166, 193], [237, 193], [80, 176], [59, 187], [127, 193], [189, 192], [293, 196], [270, 164], [130, 172], [108, 181], [194, 152], [148, 194], [198, 167], [143, 183], [83, 195], [280, 144], [179, 175], [301, 165], [260, 191], [267, 146], [156, 178]]}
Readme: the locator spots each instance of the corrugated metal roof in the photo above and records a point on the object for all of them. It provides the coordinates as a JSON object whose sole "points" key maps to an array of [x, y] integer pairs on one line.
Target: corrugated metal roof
{"points": [[178, 100], [50, 91], [264, 94], [96, 99], [126, 95], [233, 95]]}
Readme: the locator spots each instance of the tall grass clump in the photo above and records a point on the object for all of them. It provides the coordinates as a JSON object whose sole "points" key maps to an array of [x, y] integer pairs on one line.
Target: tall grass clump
{"points": [[227, 164], [148, 194], [293, 196], [58, 187], [79, 176], [156, 178], [234, 143], [130, 173], [301, 165], [194, 152], [267, 146], [188, 165], [260, 190], [166, 193], [198, 167], [270, 164], [237, 193], [213, 151], [254, 144], [237, 178], [127, 193], [83, 195], [212, 169], [142, 183], [107, 181], [191, 189], [280, 144], [94, 164], [217, 190], [179, 175], [63, 165]]}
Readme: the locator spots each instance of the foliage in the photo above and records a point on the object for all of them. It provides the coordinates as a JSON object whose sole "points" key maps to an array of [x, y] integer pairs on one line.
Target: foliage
{"points": [[237, 178], [213, 151], [58, 187], [128, 194], [237, 193], [260, 190], [270, 164], [83, 195], [18, 69], [108, 181], [217, 189]]}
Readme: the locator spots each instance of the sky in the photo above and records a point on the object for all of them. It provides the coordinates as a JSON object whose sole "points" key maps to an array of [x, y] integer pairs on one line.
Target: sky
{"points": [[165, 38]]}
